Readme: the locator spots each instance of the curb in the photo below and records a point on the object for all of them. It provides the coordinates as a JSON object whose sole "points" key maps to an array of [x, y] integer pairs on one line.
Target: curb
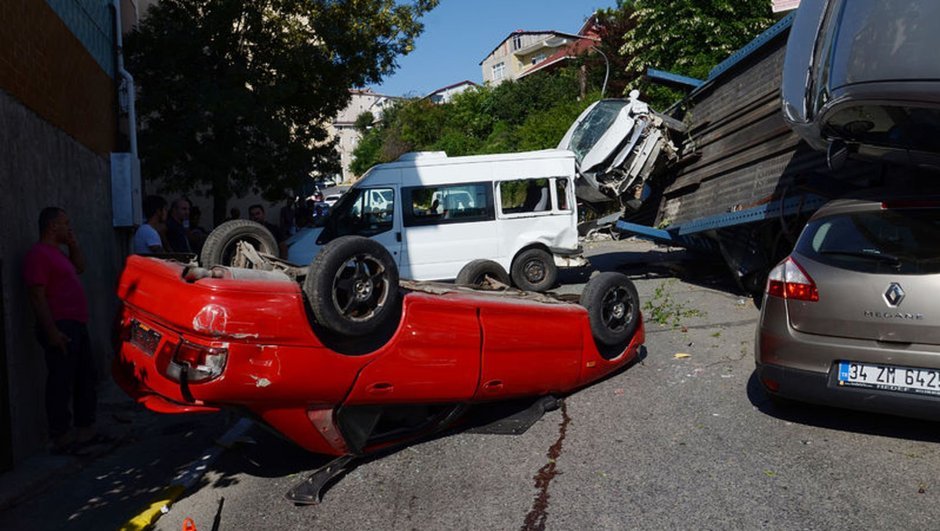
{"points": [[186, 479]]}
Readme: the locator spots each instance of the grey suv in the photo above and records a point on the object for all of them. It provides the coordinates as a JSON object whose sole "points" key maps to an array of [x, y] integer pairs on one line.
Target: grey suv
{"points": [[852, 317]]}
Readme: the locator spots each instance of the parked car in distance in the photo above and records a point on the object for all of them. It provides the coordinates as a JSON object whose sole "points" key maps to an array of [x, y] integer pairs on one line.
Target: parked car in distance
{"points": [[437, 214], [852, 317], [331, 199], [860, 77]]}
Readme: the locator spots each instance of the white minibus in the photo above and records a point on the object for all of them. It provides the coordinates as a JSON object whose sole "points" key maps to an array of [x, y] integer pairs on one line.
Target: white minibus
{"points": [[435, 214]]}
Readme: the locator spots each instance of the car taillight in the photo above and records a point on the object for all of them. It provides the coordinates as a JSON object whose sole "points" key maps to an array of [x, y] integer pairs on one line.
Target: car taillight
{"points": [[203, 363], [789, 281]]}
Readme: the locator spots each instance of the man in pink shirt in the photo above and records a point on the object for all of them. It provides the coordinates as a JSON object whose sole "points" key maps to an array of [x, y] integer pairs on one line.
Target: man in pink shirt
{"points": [[61, 308]]}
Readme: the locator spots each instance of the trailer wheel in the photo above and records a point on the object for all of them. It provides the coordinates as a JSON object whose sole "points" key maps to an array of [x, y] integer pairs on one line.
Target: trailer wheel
{"points": [[534, 270], [219, 247], [613, 308], [475, 273], [352, 286]]}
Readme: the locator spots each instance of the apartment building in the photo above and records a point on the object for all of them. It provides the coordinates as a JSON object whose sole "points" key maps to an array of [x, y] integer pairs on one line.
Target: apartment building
{"points": [[343, 127], [524, 52]]}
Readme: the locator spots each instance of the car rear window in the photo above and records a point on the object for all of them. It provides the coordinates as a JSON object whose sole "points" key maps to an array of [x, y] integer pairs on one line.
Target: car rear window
{"points": [[899, 241]]}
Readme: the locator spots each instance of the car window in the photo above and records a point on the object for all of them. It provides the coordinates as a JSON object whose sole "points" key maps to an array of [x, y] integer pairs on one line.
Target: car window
{"points": [[456, 203], [561, 189], [524, 196], [364, 212], [899, 241]]}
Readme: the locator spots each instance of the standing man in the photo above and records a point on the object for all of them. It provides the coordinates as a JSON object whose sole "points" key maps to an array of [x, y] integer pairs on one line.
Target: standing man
{"points": [[147, 238], [256, 214], [61, 308], [177, 225]]}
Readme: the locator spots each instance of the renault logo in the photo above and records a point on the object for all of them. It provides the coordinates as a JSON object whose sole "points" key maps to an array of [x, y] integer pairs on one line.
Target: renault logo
{"points": [[894, 295]]}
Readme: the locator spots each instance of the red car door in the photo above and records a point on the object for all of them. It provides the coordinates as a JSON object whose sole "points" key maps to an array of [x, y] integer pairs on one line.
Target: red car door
{"points": [[529, 349]]}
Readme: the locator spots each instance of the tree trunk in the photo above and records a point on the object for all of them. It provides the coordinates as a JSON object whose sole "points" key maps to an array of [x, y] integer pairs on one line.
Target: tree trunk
{"points": [[219, 204]]}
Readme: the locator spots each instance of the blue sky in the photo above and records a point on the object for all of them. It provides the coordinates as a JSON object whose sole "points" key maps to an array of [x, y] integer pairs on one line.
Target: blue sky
{"points": [[459, 34]]}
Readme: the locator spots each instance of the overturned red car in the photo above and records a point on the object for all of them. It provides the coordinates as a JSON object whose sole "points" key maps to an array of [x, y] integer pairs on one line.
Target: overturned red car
{"points": [[352, 360]]}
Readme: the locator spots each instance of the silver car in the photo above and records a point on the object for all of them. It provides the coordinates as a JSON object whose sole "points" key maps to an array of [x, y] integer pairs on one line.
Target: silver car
{"points": [[852, 317]]}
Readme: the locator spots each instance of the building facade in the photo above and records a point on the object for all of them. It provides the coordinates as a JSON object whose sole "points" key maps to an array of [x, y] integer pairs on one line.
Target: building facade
{"points": [[343, 127], [59, 118], [446, 94], [524, 52]]}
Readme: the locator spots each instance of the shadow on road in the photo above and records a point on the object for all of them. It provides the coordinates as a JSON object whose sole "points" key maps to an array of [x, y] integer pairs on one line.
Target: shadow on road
{"points": [[842, 419], [693, 268]]}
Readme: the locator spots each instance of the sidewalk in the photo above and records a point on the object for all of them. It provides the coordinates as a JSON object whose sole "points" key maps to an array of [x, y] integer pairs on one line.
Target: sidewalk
{"points": [[48, 491]]}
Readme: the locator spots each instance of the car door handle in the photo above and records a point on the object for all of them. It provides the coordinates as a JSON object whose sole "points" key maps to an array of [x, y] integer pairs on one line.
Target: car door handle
{"points": [[380, 388], [398, 237], [493, 386]]}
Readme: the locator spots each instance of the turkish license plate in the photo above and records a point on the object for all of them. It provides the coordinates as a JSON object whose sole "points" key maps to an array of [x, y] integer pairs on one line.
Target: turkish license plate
{"points": [[145, 338], [889, 377]]}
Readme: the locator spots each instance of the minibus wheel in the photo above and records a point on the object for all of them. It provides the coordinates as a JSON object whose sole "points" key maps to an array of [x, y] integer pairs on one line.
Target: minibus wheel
{"points": [[613, 308], [534, 270], [476, 273], [352, 286], [219, 247]]}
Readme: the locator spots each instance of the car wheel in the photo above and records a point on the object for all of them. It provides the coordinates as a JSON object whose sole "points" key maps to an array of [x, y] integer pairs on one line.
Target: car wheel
{"points": [[534, 270], [613, 308], [352, 286], [221, 244], [475, 273]]}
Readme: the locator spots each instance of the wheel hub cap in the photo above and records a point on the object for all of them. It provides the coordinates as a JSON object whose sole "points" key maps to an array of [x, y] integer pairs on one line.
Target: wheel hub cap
{"points": [[363, 289], [535, 272], [618, 311]]}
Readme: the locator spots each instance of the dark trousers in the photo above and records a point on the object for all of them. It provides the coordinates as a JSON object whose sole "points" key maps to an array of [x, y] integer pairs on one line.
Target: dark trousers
{"points": [[70, 380]]}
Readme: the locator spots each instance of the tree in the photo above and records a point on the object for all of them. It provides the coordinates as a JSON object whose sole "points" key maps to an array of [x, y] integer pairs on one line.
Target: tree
{"points": [[687, 37], [612, 26], [235, 94], [529, 114]]}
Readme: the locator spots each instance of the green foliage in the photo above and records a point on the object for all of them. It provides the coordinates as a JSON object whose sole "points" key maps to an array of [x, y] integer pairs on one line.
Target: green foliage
{"points": [[529, 114], [364, 121], [235, 94], [662, 309], [688, 37]]}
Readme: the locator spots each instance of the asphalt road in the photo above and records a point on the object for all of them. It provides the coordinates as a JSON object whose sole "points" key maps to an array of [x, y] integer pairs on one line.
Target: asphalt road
{"points": [[687, 442], [672, 442]]}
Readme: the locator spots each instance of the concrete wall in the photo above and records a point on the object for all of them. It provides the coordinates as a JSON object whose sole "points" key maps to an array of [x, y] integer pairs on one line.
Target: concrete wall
{"points": [[41, 165], [57, 128]]}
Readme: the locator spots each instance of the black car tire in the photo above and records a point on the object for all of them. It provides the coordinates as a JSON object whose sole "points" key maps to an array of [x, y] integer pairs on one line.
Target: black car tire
{"points": [[474, 274], [219, 247], [613, 308], [534, 270], [352, 286]]}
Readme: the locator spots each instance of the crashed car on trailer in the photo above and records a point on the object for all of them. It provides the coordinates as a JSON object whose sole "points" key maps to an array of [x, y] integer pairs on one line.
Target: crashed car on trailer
{"points": [[618, 144], [342, 357]]}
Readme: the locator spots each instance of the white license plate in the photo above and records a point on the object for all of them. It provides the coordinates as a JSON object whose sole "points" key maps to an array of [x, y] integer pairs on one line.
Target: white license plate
{"points": [[888, 377]]}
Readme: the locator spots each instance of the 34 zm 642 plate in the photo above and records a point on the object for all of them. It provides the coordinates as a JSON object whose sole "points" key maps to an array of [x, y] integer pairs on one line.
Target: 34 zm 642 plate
{"points": [[889, 377]]}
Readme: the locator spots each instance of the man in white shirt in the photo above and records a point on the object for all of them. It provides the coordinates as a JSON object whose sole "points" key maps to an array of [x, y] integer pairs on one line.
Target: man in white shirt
{"points": [[147, 239]]}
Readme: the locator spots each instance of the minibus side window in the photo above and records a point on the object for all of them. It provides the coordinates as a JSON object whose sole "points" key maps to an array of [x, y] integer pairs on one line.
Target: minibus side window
{"points": [[457, 203], [561, 189], [523, 196]]}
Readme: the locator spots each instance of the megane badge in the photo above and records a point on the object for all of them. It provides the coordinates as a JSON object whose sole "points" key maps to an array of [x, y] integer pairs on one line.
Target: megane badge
{"points": [[894, 295]]}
